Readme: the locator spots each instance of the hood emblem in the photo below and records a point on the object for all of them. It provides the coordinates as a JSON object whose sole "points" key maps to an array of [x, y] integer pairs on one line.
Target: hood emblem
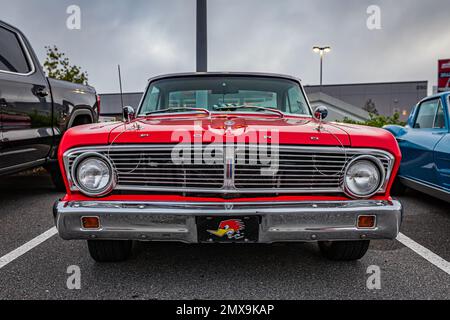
{"points": [[230, 123]]}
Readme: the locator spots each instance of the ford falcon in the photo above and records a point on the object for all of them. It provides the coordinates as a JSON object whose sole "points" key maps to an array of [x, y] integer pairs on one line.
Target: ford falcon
{"points": [[227, 158]]}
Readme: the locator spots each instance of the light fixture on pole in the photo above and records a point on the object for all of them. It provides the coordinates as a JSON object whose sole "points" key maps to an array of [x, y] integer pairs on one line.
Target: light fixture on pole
{"points": [[321, 51]]}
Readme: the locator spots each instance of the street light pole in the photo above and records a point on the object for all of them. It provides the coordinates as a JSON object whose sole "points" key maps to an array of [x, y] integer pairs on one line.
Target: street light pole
{"points": [[321, 69], [321, 51], [202, 36]]}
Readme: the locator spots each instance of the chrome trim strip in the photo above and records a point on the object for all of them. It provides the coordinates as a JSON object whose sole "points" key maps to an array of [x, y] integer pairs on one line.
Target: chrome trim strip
{"points": [[433, 191], [22, 166], [247, 207], [127, 147], [224, 73], [8, 153], [229, 168], [231, 191]]}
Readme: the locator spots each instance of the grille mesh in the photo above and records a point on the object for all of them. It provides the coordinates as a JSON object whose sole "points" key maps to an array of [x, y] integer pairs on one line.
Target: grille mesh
{"points": [[286, 169]]}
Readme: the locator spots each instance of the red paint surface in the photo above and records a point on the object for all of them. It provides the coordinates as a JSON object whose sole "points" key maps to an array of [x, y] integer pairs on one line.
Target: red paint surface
{"points": [[176, 198]]}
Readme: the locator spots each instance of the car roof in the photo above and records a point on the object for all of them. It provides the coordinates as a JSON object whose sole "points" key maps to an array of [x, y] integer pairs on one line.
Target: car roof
{"points": [[437, 95], [218, 74]]}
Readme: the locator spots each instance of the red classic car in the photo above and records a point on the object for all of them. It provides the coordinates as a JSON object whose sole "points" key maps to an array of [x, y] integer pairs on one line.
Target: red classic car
{"points": [[228, 158]]}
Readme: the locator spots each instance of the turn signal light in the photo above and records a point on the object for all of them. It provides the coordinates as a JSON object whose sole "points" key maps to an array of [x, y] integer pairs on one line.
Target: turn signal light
{"points": [[90, 222], [366, 222]]}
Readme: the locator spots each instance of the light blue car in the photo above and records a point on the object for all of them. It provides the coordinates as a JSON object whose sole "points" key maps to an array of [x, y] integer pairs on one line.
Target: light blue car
{"points": [[425, 145]]}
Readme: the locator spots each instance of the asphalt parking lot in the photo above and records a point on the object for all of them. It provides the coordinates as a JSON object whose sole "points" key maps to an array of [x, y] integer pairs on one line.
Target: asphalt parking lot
{"points": [[178, 271]]}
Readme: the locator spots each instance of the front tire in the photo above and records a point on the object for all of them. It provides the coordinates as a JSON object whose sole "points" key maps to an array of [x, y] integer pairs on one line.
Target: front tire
{"points": [[110, 250], [57, 178], [398, 188], [344, 250], [54, 169]]}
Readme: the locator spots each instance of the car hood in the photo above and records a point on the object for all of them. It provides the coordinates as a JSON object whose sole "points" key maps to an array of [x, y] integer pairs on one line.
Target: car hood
{"points": [[230, 128]]}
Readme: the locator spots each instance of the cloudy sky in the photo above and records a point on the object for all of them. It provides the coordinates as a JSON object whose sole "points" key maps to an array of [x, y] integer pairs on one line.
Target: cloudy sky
{"points": [[150, 37]]}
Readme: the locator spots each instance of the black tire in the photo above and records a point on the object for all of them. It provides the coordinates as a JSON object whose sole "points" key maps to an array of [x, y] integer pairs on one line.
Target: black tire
{"points": [[56, 176], [344, 250], [110, 250], [53, 168], [398, 188]]}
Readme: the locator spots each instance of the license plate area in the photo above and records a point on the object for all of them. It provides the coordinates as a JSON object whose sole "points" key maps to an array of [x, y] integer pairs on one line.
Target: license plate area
{"points": [[228, 229]]}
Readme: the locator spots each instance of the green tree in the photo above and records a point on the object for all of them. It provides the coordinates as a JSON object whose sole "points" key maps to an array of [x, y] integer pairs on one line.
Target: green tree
{"points": [[57, 66], [378, 121]]}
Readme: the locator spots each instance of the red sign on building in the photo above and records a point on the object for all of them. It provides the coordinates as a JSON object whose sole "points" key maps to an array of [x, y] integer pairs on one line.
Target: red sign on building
{"points": [[444, 75]]}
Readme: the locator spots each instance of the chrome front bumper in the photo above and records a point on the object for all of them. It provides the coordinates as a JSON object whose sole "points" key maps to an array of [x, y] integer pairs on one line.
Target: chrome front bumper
{"points": [[280, 222]]}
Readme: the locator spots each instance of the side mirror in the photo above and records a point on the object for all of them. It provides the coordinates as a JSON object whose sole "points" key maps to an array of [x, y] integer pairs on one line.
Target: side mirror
{"points": [[128, 114], [321, 112]]}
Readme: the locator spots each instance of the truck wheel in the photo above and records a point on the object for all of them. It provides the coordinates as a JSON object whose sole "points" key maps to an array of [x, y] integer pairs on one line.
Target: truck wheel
{"points": [[398, 188], [57, 179], [344, 250], [110, 250]]}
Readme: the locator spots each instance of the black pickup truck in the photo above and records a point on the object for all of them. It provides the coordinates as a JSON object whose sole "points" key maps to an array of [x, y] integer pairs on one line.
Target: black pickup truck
{"points": [[35, 111]]}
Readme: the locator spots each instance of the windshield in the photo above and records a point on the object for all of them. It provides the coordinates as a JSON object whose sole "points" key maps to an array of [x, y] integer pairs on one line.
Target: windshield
{"points": [[216, 93]]}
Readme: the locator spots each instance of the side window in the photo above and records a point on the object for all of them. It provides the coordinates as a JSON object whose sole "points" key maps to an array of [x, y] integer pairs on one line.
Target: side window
{"points": [[154, 98], [152, 101], [294, 104], [12, 56], [439, 121], [426, 115]]}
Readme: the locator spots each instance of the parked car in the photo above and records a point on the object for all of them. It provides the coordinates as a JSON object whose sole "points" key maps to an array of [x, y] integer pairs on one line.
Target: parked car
{"points": [[425, 145], [227, 157], [35, 111]]}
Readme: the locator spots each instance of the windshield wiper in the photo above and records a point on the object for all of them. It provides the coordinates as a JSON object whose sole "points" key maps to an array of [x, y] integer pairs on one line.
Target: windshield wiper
{"points": [[179, 109], [246, 106]]}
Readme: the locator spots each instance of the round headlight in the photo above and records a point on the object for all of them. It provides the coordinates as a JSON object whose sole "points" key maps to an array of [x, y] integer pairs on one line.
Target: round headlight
{"points": [[93, 175], [363, 177]]}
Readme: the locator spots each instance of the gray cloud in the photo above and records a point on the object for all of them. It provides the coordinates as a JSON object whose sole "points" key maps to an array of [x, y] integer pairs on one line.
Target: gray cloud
{"points": [[154, 37]]}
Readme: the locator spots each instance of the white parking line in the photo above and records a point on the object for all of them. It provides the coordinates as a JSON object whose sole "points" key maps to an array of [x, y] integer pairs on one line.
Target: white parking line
{"points": [[13, 255], [406, 241], [424, 253]]}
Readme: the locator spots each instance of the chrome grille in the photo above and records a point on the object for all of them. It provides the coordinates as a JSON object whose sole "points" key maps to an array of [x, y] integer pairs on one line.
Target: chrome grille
{"points": [[314, 169], [300, 169], [153, 168], [156, 168]]}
